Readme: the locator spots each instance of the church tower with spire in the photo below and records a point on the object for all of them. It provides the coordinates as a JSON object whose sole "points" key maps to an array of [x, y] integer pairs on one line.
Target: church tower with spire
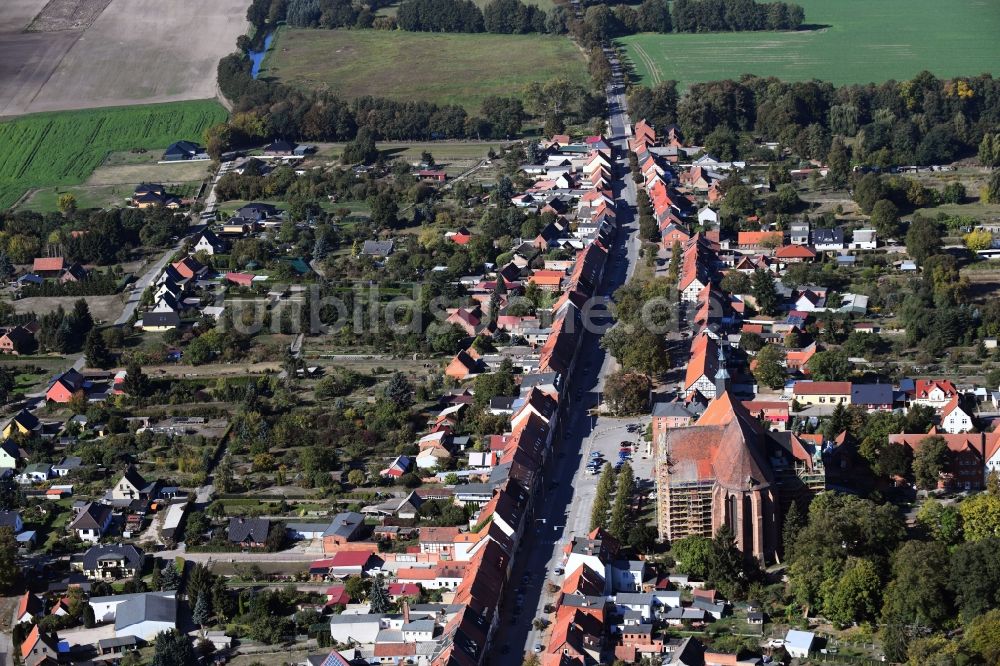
{"points": [[721, 375]]}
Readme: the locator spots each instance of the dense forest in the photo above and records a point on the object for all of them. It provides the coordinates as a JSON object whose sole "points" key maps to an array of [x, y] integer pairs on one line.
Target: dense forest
{"points": [[101, 237], [925, 120], [516, 17]]}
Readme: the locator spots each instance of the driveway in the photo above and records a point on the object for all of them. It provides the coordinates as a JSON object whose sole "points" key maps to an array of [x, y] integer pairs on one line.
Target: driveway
{"points": [[84, 636]]}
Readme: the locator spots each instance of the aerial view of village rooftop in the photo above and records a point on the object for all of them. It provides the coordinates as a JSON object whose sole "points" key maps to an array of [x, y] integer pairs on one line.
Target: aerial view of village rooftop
{"points": [[500, 333]]}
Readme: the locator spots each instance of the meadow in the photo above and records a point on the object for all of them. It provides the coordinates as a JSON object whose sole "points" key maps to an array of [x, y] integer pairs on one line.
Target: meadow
{"points": [[851, 41], [435, 67], [64, 148]]}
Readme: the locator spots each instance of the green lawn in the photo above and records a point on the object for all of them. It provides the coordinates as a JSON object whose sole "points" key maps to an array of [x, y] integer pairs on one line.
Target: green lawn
{"points": [[857, 41], [443, 68], [64, 148], [45, 200]]}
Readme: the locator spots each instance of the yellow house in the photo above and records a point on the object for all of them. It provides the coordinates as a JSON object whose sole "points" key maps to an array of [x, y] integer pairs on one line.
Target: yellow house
{"points": [[822, 393], [24, 423]]}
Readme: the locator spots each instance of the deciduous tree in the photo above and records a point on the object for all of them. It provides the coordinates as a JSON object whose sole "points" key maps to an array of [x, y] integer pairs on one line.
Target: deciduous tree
{"points": [[764, 293], [929, 461], [627, 393], [768, 369]]}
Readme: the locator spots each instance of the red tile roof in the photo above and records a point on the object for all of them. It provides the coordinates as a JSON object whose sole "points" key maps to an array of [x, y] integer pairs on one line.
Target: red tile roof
{"points": [[822, 388], [47, 264], [351, 558], [751, 238], [794, 252]]}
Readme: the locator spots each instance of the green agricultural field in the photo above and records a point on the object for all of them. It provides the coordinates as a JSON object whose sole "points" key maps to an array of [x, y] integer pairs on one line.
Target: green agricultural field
{"points": [[64, 148], [854, 41], [443, 68]]}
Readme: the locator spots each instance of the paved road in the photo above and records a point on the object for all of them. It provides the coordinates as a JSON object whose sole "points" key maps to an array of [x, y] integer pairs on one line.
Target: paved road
{"points": [[154, 270], [6, 650], [564, 509], [144, 281]]}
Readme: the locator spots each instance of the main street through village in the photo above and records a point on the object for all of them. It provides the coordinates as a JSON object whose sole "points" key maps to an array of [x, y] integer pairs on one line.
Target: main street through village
{"points": [[563, 511]]}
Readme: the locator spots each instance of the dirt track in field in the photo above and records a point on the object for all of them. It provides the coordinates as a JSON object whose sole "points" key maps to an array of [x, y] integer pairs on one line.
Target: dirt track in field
{"points": [[68, 54]]}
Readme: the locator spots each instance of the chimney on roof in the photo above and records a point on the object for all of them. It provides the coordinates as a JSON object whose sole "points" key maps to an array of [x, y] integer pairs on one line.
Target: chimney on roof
{"points": [[406, 612]]}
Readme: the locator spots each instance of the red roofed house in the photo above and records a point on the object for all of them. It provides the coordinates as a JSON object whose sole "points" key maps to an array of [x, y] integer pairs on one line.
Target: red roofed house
{"points": [[66, 387], [397, 591], [794, 254], [468, 319], [968, 453], [336, 595], [241, 279], [798, 359], [547, 280], [644, 133], [460, 237], [465, 364], [934, 393], [638, 641], [577, 636], [757, 239], [48, 267], [352, 563], [436, 175], [29, 608], [189, 268], [38, 649], [774, 412]]}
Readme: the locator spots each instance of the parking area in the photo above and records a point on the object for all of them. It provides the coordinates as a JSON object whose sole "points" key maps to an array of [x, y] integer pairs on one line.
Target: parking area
{"points": [[614, 435]]}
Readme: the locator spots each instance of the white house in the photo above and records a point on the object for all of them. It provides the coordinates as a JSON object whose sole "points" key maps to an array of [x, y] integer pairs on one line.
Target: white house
{"points": [[799, 643], [356, 628], [35, 473], [936, 393], [707, 216], [668, 598], [627, 575], [853, 304], [828, 240], [10, 455], [578, 559], [418, 630], [799, 233], [954, 419], [864, 239], [142, 615], [640, 602], [691, 289], [92, 522], [810, 301], [209, 243]]}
